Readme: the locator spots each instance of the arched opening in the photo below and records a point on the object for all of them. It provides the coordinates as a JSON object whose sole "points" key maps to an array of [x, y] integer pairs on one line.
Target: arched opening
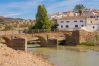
{"points": [[37, 41], [61, 42], [93, 27], [33, 43]]}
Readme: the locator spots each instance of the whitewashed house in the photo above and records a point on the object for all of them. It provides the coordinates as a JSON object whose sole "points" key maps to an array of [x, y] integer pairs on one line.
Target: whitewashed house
{"points": [[92, 23], [58, 15], [71, 23]]}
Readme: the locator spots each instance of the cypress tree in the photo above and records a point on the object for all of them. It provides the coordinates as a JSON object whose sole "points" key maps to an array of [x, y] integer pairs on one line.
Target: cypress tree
{"points": [[42, 20]]}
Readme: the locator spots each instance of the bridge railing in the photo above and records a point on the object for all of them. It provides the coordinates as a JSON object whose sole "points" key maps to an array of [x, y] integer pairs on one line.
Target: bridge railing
{"points": [[48, 31], [40, 31], [14, 32]]}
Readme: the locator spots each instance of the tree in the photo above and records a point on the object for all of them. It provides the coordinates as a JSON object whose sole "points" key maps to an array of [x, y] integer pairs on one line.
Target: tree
{"points": [[1, 20], [9, 27], [79, 8], [54, 27], [42, 20]]}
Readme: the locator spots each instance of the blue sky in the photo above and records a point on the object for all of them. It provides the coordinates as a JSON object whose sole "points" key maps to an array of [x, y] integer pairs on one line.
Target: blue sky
{"points": [[27, 8]]}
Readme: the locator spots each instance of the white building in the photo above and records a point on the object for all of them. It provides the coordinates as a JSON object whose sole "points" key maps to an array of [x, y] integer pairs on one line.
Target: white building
{"points": [[92, 23], [58, 15], [71, 23]]}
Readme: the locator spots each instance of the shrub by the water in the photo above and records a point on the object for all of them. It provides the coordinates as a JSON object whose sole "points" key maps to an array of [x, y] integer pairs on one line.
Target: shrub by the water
{"points": [[88, 43]]}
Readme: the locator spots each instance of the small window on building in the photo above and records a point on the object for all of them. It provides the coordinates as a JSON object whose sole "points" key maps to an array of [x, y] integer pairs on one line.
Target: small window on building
{"points": [[76, 26], [81, 20], [67, 21], [67, 26], [82, 25], [90, 21], [91, 17], [93, 27], [75, 21], [61, 26], [62, 21]]}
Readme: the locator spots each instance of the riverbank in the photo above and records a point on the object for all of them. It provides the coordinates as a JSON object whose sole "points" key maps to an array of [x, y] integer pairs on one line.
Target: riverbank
{"points": [[10, 57]]}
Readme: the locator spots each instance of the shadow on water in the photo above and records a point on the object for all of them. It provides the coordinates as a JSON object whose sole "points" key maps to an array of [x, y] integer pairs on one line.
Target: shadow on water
{"points": [[62, 42]]}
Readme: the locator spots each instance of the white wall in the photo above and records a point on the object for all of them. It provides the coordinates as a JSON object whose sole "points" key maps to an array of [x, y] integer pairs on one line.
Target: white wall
{"points": [[90, 28], [71, 24], [92, 24]]}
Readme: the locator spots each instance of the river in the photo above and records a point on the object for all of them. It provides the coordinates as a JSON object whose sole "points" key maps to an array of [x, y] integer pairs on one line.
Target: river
{"points": [[62, 56]]}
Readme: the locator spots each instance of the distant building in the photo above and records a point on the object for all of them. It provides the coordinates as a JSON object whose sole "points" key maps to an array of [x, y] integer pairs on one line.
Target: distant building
{"points": [[89, 20], [92, 23], [58, 15], [90, 12], [71, 14], [86, 12]]}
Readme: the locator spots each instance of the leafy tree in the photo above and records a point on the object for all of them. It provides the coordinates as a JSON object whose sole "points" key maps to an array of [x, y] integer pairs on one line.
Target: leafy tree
{"points": [[79, 8], [42, 20], [54, 26], [9, 27], [1, 20]]}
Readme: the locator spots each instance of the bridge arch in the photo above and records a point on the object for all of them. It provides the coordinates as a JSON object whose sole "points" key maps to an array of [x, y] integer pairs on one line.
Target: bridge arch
{"points": [[42, 38]]}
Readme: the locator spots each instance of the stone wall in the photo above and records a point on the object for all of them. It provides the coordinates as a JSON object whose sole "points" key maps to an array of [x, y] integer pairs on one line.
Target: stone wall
{"points": [[72, 38], [17, 43], [52, 42], [85, 36]]}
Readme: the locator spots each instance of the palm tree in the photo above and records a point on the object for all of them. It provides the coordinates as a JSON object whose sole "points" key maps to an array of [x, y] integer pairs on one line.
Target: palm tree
{"points": [[79, 9]]}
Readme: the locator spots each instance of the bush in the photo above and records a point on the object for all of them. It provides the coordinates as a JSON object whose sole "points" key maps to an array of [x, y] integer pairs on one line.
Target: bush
{"points": [[9, 27], [88, 43]]}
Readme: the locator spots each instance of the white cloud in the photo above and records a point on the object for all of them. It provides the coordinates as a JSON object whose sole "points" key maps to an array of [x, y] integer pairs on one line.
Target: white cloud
{"points": [[21, 5], [12, 14], [8, 10], [63, 3]]}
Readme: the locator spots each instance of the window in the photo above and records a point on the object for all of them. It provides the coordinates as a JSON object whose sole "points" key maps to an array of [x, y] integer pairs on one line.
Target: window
{"points": [[62, 21], [75, 21], [93, 27], [90, 21], [76, 25], [61, 26], [67, 26], [91, 17], [82, 25], [81, 20], [67, 21]]}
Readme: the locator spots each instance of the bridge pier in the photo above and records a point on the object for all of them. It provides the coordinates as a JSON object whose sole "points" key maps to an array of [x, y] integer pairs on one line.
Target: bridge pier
{"points": [[17, 43]]}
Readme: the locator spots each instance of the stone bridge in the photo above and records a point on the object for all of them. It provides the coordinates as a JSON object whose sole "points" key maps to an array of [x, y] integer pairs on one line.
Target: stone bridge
{"points": [[19, 41]]}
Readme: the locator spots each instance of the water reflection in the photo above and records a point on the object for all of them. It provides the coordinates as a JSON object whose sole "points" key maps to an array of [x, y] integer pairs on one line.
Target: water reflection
{"points": [[66, 57]]}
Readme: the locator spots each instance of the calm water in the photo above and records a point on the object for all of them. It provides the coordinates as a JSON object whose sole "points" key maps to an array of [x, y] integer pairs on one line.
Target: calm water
{"points": [[66, 57]]}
